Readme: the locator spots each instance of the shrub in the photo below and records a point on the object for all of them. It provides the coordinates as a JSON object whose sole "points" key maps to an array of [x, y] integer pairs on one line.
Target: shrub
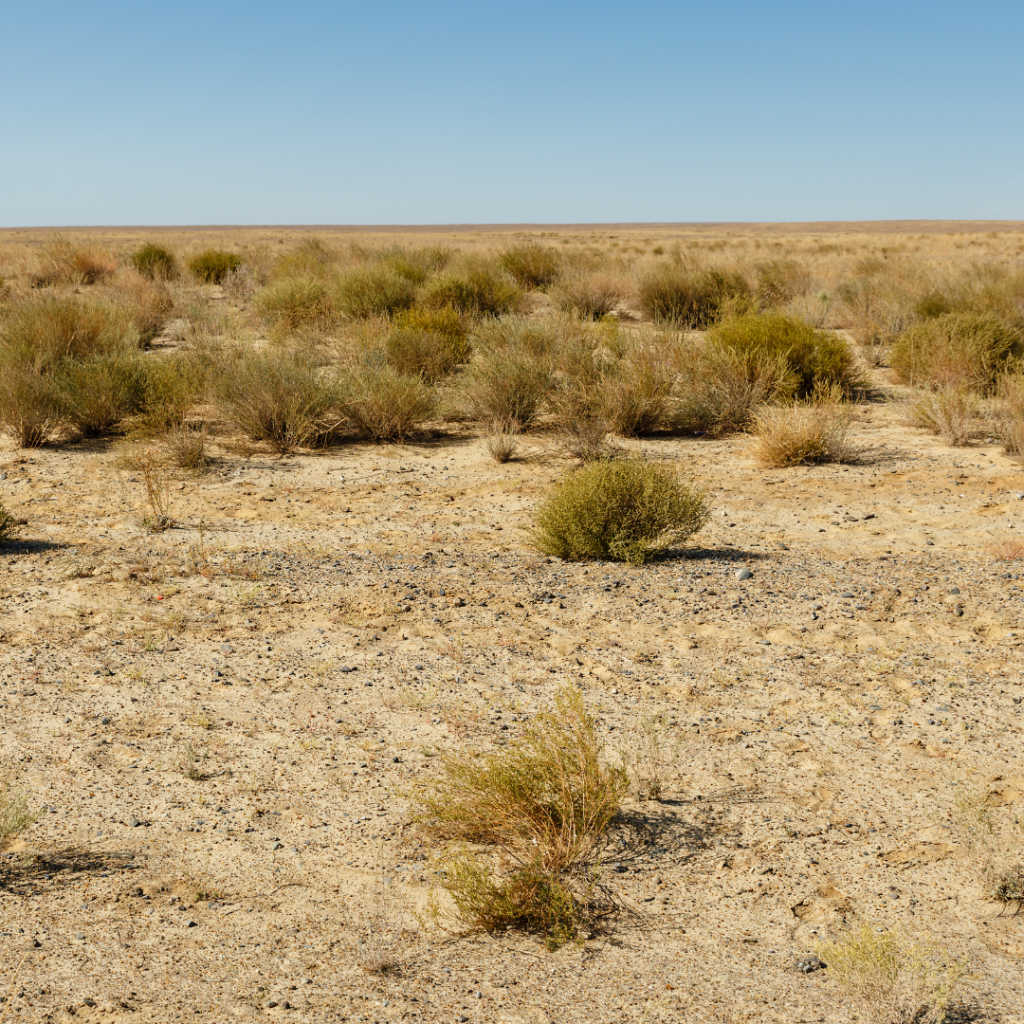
{"points": [[312, 257], [718, 391], [427, 343], [588, 296], [531, 264], [952, 413], [691, 297], [295, 303], [280, 398], [1009, 414], [506, 386], [15, 816], [637, 393], [1007, 886], [173, 385], [813, 358], [805, 433], [577, 403], [781, 281], [155, 262], [415, 265], [44, 329], [64, 262], [544, 807], [96, 394], [476, 288], [619, 511], [386, 405], [966, 350], [147, 305], [373, 291], [8, 528], [501, 440], [892, 979], [187, 446], [27, 409], [212, 265]]}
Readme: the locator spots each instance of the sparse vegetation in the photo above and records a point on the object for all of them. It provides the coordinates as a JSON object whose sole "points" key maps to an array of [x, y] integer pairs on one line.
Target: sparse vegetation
{"points": [[15, 815], [950, 412], [475, 288], [622, 510], [804, 433], [384, 404], [373, 291], [588, 296], [542, 810], [891, 979]]}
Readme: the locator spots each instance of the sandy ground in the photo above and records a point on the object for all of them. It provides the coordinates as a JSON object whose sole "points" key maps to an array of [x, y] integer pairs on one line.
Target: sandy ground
{"points": [[224, 720]]}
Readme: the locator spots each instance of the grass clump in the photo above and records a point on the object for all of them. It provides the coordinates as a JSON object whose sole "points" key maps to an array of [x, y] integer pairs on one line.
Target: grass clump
{"points": [[813, 358], [804, 433], [155, 262], [623, 511], [531, 264], [958, 350], [427, 343], [542, 810], [64, 262], [97, 394], [692, 297], [1009, 414], [383, 404], [415, 265], [781, 281], [373, 291], [295, 303], [474, 288], [212, 265], [587, 296], [1007, 886], [279, 398], [951, 413], [890, 978], [15, 816]]}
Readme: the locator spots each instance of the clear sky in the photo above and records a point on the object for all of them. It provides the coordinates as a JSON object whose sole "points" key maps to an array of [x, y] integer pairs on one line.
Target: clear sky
{"points": [[448, 111]]}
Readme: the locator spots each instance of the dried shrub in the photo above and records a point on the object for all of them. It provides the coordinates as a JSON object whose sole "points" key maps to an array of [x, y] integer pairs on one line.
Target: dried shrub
{"points": [[27, 409], [1007, 886], [588, 296], [65, 262], [15, 816], [174, 385], [813, 358], [718, 391], [1009, 414], [805, 433], [692, 297], [879, 303], [95, 395], [542, 809], [952, 413], [502, 441], [957, 350], [187, 446], [415, 265], [891, 979], [623, 511], [280, 398], [296, 303], [638, 391], [385, 405], [373, 291], [147, 303], [212, 265], [155, 261], [781, 281], [531, 264]]}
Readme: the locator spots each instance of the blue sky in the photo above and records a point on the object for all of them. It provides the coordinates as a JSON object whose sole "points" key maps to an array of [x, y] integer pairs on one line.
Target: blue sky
{"points": [[398, 112]]}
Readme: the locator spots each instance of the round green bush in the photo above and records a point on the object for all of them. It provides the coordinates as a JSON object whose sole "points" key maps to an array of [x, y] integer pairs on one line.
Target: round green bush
{"points": [[813, 358], [213, 265], [155, 261], [688, 297], [623, 511], [956, 350]]}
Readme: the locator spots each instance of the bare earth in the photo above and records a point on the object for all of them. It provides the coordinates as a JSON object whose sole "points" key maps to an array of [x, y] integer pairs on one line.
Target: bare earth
{"points": [[225, 722]]}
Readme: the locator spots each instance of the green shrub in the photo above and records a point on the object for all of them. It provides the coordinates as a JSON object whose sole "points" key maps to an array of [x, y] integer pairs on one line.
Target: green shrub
{"points": [[967, 350], [690, 297], [95, 395], [44, 329], [373, 291], [813, 358], [531, 264], [415, 265], [295, 303], [505, 387], [174, 384], [280, 398], [385, 405], [28, 411], [622, 511], [637, 394], [155, 262], [476, 288], [541, 809], [213, 265], [425, 354]]}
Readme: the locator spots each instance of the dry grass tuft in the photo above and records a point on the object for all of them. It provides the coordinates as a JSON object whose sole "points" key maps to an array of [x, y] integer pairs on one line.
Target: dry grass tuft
{"points": [[588, 296], [805, 433], [1007, 886], [65, 262], [1007, 550], [892, 979], [531, 264], [1009, 414], [15, 816], [952, 413], [502, 440], [542, 809]]}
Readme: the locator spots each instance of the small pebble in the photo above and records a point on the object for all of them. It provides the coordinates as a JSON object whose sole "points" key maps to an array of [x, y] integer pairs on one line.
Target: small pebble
{"points": [[744, 574]]}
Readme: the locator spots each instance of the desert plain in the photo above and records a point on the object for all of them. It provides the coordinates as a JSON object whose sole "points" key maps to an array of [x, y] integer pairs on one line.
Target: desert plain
{"points": [[221, 725]]}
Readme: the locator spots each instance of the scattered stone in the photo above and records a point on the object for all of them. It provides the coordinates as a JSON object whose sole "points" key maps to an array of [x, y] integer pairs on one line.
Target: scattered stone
{"points": [[744, 574]]}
